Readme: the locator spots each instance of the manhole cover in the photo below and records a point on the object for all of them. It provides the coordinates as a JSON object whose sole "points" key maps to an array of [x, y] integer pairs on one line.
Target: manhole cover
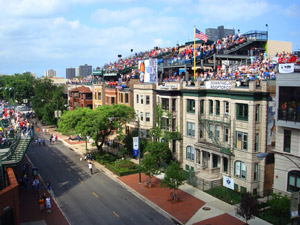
{"points": [[206, 208]]}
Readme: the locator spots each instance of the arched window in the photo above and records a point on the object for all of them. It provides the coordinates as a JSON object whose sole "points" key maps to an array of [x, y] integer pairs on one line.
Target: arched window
{"points": [[240, 170], [293, 181], [190, 153]]}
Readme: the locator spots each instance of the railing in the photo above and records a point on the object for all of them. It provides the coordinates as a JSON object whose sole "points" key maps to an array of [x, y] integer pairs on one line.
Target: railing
{"points": [[289, 115]]}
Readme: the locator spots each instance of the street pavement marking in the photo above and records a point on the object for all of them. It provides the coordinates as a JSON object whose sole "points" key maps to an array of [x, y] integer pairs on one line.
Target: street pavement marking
{"points": [[116, 214], [95, 195], [81, 181]]}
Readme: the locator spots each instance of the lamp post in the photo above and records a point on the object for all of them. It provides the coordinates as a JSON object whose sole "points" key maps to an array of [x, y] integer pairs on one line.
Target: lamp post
{"points": [[139, 155], [267, 31]]}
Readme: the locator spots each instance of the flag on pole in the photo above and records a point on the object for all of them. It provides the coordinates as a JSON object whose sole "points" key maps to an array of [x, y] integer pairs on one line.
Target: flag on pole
{"points": [[200, 35]]}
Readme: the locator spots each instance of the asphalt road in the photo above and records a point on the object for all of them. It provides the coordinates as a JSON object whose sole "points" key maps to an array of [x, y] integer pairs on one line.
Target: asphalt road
{"points": [[89, 199]]}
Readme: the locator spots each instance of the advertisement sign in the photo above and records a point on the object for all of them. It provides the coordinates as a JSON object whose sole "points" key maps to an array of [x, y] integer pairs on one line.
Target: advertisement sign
{"points": [[297, 68], [135, 146], [294, 204], [228, 182], [148, 71], [286, 68], [218, 85]]}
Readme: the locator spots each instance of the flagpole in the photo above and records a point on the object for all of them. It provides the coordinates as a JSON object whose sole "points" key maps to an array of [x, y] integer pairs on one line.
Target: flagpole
{"points": [[194, 53]]}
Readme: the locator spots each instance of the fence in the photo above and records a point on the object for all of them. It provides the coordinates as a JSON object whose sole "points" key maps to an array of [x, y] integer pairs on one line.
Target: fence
{"points": [[201, 183]]}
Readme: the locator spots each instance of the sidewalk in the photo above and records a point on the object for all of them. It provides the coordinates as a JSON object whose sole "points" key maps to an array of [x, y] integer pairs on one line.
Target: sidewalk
{"points": [[193, 207]]}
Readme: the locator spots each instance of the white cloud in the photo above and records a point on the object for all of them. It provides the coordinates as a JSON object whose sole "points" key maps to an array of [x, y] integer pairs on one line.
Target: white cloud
{"points": [[234, 10], [292, 11], [112, 16]]}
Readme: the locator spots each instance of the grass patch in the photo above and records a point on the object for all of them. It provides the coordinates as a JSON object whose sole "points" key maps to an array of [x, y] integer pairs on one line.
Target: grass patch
{"points": [[123, 167], [225, 195]]}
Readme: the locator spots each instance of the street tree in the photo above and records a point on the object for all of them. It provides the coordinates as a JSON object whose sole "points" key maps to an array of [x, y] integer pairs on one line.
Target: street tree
{"points": [[280, 206], [149, 168], [174, 177], [160, 152], [248, 207], [98, 123]]}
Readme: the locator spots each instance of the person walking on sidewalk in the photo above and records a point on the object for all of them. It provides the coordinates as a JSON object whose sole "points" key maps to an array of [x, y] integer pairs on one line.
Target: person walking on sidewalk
{"points": [[48, 204], [91, 167]]}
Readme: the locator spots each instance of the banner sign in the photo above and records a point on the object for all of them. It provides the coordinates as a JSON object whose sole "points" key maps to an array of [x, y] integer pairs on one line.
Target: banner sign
{"points": [[228, 182], [135, 146], [218, 85], [148, 70], [294, 204], [286, 68], [297, 68]]}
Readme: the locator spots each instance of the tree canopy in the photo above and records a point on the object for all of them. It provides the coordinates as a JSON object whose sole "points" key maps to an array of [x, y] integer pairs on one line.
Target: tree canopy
{"points": [[98, 123]]}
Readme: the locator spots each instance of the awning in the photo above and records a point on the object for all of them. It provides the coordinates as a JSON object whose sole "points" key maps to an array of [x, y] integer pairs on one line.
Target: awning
{"points": [[110, 74]]}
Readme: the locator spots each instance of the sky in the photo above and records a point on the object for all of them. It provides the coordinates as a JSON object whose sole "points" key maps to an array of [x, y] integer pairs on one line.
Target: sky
{"points": [[39, 35]]}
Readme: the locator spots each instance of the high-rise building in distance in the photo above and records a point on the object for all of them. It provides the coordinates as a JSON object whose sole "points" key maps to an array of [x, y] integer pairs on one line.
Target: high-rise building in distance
{"points": [[70, 73], [50, 73], [85, 70], [215, 34]]}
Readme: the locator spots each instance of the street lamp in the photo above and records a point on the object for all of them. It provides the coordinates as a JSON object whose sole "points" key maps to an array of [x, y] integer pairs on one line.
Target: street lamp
{"points": [[267, 30], [139, 150]]}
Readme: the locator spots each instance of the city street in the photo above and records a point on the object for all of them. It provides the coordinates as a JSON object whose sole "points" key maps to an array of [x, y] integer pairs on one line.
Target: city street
{"points": [[85, 198]]}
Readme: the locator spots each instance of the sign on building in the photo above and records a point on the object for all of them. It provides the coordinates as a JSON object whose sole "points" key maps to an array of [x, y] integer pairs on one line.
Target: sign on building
{"points": [[228, 182], [218, 85], [135, 146], [148, 70]]}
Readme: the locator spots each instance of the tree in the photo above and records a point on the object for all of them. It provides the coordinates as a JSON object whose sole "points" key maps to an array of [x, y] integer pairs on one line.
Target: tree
{"points": [[98, 123], [149, 167], [174, 177], [280, 205], [248, 207], [160, 151]]}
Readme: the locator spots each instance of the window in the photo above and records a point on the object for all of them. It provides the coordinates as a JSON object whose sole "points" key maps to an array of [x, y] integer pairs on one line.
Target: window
{"points": [[217, 132], [121, 97], [142, 116], [173, 146], [211, 131], [255, 171], [147, 100], [293, 181], [187, 167], [201, 130], [148, 117], [242, 112], [165, 123], [126, 97], [142, 99], [165, 103], [190, 153], [173, 105], [173, 124], [256, 142], [137, 98], [202, 106], [211, 107], [257, 108], [226, 108], [191, 105], [241, 140], [240, 170], [217, 107], [287, 141], [112, 100], [190, 129], [226, 134]]}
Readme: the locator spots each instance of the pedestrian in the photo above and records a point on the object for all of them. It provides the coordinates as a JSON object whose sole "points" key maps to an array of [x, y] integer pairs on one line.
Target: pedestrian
{"points": [[39, 141], [91, 167], [48, 204], [43, 141], [56, 138], [42, 203], [43, 130], [36, 142], [48, 186], [51, 139]]}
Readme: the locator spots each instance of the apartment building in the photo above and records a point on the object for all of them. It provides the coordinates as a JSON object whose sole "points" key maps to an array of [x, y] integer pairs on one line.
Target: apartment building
{"points": [[287, 149]]}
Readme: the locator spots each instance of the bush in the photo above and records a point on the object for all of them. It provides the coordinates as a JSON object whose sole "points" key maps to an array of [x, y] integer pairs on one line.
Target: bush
{"points": [[123, 167], [225, 194], [104, 159]]}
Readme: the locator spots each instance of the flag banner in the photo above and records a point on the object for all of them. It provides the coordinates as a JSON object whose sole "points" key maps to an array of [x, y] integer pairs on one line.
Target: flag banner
{"points": [[200, 35], [286, 68], [228, 182], [135, 146]]}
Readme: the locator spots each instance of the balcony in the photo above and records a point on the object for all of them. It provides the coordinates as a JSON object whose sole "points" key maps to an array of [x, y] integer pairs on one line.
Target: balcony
{"points": [[290, 115]]}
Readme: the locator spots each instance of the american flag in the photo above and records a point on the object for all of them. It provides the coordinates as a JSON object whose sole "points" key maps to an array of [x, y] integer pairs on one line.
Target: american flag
{"points": [[200, 35]]}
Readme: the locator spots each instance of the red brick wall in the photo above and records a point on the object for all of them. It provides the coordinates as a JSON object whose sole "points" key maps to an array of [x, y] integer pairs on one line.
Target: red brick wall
{"points": [[9, 196]]}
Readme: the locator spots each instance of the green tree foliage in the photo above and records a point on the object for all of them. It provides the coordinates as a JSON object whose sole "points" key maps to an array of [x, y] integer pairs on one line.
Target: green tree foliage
{"points": [[47, 99], [98, 123], [174, 177], [248, 207], [280, 205], [160, 151], [149, 167]]}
